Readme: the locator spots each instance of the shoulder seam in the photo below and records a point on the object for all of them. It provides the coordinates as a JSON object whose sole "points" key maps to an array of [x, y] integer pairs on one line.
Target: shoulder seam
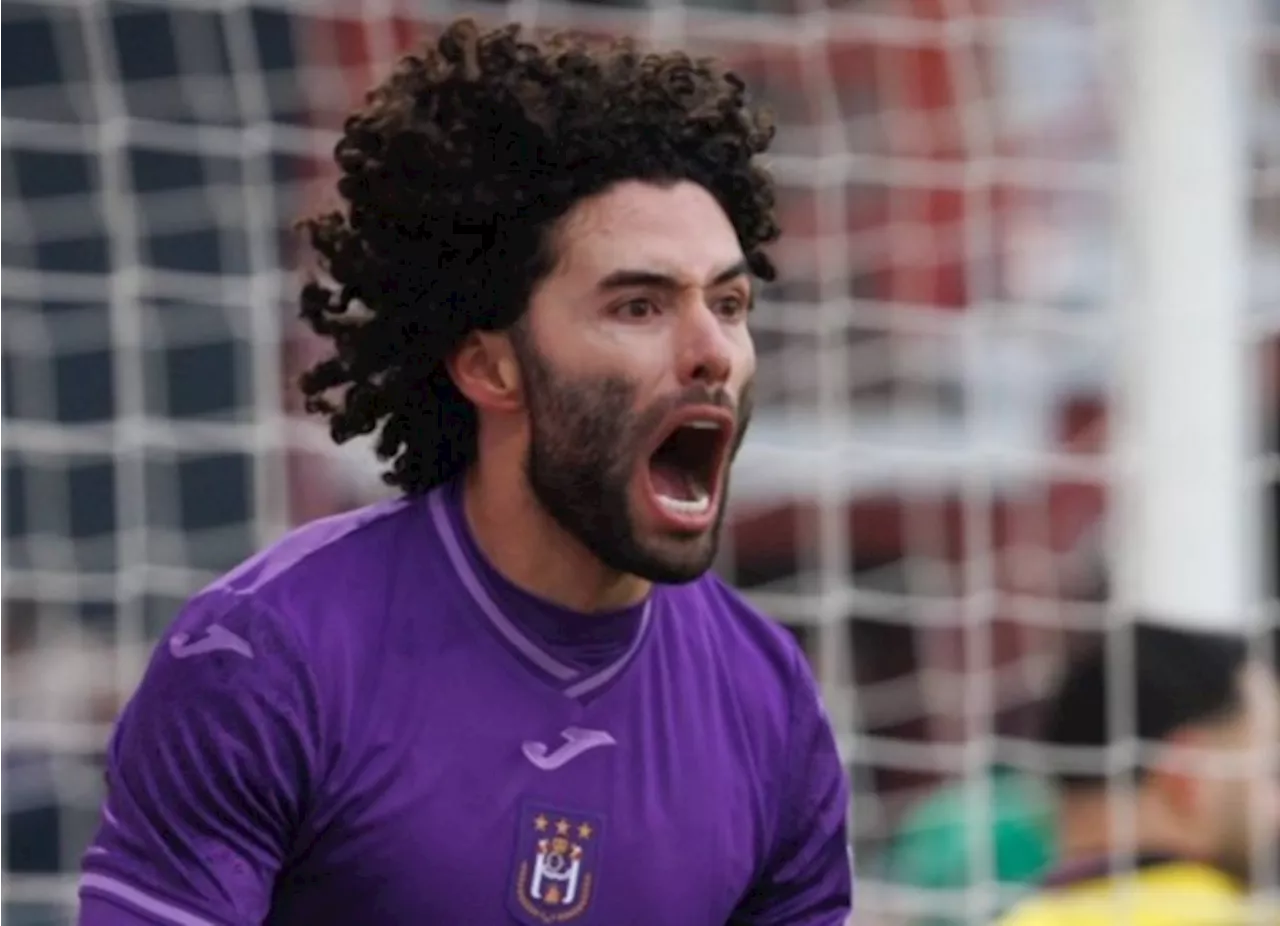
{"points": [[349, 533]]}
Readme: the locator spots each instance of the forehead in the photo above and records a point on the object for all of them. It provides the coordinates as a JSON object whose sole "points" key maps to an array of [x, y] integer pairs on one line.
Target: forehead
{"points": [[678, 229]]}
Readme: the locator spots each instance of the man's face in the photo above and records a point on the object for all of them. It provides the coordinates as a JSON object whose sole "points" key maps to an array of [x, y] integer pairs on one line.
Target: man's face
{"points": [[637, 365], [1241, 807]]}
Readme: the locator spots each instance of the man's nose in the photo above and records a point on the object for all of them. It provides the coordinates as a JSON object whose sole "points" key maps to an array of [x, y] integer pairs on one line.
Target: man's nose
{"points": [[705, 351]]}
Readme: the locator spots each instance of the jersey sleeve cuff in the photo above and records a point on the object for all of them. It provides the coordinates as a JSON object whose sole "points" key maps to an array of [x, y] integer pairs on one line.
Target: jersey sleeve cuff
{"points": [[146, 907]]}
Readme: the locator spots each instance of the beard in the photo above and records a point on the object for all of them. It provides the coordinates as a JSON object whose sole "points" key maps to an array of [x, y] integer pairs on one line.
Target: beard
{"points": [[587, 442]]}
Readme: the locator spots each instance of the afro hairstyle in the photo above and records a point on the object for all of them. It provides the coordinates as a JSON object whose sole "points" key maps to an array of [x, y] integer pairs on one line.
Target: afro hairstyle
{"points": [[453, 176]]}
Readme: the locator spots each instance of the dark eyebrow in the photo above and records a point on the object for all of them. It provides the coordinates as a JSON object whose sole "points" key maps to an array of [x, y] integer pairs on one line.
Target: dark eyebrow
{"points": [[622, 279]]}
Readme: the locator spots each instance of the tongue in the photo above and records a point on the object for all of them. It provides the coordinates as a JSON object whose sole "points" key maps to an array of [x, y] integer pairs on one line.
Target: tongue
{"points": [[673, 482]]}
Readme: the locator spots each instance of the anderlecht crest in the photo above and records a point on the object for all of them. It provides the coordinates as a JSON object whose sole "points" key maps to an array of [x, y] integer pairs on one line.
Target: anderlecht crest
{"points": [[555, 875]]}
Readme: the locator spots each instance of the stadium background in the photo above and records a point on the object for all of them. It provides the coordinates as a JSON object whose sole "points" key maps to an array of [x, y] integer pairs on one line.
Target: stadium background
{"points": [[924, 499]]}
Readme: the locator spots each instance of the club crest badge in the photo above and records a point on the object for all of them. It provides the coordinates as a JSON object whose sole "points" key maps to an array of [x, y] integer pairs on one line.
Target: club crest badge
{"points": [[554, 872]]}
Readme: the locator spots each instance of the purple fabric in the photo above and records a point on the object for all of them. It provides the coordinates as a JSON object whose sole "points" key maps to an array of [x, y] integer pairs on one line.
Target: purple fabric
{"points": [[107, 901], [339, 732], [561, 633]]}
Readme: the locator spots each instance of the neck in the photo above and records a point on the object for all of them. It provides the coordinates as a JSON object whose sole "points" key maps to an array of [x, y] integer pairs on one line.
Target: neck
{"points": [[528, 547], [1088, 831]]}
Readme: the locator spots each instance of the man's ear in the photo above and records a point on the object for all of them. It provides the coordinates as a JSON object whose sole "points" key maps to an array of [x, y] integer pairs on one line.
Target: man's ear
{"points": [[1176, 773], [486, 372]]}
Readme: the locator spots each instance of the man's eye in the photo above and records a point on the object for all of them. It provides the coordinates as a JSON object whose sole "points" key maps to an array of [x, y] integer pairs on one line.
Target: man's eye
{"points": [[732, 306], [637, 308]]}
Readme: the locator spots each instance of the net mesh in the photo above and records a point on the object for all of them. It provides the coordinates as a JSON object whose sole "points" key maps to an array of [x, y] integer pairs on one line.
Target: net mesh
{"points": [[923, 495]]}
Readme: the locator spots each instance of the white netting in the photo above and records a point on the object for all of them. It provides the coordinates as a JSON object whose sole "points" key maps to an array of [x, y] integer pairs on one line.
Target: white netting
{"points": [[921, 499]]}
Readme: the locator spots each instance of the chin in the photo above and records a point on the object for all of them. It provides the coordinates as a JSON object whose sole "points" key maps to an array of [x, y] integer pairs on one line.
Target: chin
{"points": [[675, 560], [664, 545], [669, 573]]}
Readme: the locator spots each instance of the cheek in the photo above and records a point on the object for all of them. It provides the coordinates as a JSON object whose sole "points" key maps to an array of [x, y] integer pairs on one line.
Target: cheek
{"points": [[1241, 803], [744, 361]]}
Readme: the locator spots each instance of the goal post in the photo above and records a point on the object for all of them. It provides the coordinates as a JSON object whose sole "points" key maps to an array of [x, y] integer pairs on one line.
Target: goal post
{"points": [[1188, 524], [1189, 496]]}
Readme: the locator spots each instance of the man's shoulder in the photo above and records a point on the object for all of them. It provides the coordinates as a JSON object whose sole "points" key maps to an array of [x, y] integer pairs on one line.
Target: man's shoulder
{"points": [[1176, 894], [730, 612], [357, 540], [321, 586], [1155, 911], [752, 647]]}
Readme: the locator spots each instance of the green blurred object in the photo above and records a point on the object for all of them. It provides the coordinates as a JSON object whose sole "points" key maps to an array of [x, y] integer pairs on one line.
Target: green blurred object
{"points": [[932, 847]]}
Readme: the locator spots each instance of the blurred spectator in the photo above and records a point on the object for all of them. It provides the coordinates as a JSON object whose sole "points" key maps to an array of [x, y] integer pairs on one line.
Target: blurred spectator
{"points": [[934, 846], [56, 677], [1208, 709]]}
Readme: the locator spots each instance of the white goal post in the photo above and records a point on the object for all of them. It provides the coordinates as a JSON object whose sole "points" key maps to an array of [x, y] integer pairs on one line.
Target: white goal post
{"points": [[1189, 529]]}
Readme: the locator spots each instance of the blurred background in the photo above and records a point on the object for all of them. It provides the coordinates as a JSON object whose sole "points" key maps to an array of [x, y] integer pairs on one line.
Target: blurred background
{"points": [[1017, 376]]}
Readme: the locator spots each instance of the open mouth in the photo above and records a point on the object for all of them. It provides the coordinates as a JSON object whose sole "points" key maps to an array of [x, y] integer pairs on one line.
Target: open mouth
{"points": [[684, 471]]}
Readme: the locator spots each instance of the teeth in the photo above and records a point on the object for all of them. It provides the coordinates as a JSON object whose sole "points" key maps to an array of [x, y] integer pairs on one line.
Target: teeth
{"points": [[700, 504], [704, 425]]}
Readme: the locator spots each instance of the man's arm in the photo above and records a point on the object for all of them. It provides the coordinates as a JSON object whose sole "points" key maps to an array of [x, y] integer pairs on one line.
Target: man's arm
{"points": [[808, 879], [207, 774]]}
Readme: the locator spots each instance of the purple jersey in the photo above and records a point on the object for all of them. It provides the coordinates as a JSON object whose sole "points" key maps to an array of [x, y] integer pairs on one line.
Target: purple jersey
{"points": [[367, 724]]}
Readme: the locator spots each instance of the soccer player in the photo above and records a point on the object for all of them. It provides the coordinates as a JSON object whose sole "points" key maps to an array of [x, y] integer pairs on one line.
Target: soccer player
{"points": [[1193, 692], [513, 695]]}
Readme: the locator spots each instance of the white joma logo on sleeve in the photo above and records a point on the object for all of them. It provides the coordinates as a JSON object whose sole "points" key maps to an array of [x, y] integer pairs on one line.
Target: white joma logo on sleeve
{"points": [[215, 639], [576, 742]]}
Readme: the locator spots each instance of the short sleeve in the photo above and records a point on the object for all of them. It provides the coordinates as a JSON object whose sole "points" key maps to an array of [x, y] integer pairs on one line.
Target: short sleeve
{"points": [[208, 773], [808, 878]]}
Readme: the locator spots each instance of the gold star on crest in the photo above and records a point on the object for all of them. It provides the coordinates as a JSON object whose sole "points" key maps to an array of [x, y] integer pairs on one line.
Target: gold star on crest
{"points": [[585, 831], [562, 827], [540, 823]]}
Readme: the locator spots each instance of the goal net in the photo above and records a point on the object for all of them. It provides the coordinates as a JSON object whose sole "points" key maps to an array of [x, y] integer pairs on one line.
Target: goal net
{"points": [[928, 495]]}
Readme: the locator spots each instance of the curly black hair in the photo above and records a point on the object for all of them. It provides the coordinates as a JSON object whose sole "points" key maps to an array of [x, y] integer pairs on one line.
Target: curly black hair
{"points": [[452, 176]]}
